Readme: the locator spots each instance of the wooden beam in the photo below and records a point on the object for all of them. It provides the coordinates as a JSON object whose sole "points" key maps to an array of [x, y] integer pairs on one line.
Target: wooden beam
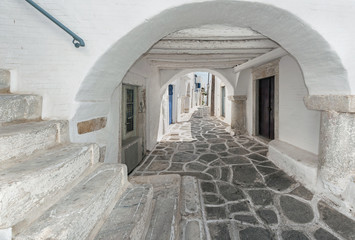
{"points": [[205, 45], [267, 57], [215, 32], [189, 57], [210, 51], [188, 65]]}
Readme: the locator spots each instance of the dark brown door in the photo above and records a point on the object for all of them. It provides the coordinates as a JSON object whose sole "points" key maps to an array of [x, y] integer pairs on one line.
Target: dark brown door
{"points": [[266, 107]]}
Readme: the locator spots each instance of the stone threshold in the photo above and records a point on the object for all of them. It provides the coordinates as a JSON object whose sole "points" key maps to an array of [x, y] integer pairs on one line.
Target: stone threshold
{"points": [[300, 164]]}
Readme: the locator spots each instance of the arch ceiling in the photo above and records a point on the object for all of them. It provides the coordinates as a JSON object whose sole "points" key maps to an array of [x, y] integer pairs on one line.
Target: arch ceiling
{"points": [[322, 68], [209, 46]]}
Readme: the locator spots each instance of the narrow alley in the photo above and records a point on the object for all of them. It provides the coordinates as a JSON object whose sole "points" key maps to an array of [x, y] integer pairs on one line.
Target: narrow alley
{"points": [[243, 195]]}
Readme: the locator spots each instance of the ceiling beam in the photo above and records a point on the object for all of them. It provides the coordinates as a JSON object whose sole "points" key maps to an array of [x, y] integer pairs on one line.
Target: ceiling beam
{"points": [[187, 65], [210, 51], [267, 57], [216, 38], [199, 58], [205, 45], [218, 32]]}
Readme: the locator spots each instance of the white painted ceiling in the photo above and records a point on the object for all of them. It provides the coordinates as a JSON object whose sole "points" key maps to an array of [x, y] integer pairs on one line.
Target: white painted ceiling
{"points": [[209, 46]]}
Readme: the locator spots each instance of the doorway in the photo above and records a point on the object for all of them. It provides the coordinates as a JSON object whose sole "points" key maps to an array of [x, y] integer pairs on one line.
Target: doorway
{"points": [[212, 94], [171, 94], [266, 106], [132, 153], [223, 102]]}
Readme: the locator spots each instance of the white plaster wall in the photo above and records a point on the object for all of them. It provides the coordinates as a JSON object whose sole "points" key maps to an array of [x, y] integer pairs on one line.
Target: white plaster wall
{"points": [[297, 125], [246, 76], [154, 111], [183, 92], [218, 103], [243, 79], [110, 136]]}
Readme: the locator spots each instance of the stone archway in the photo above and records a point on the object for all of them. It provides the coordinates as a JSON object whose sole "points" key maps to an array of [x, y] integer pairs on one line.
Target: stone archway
{"points": [[167, 77], [322, 68]]}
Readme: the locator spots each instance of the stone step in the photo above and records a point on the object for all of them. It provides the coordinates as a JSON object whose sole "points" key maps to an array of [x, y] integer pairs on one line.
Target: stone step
{"points": [[165, 220], [296, 162], [80, 212], [5, 78], [4, 88], [130, 217], [20, 140], [19, 107], [191, 225], [29, 183]]}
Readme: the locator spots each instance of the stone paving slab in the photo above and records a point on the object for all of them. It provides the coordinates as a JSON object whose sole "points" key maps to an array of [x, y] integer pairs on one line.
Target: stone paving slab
{"points": [[165, 219], [130, 215], [191, 226], [243, 194]]}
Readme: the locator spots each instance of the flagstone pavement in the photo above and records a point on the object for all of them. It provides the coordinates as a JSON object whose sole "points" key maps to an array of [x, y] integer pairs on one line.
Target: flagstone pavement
{"points": [[243, 194]]}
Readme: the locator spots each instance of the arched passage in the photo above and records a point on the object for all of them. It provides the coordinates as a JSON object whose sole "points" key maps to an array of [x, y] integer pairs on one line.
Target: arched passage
{"points": [[225, 75], [323, 71], [224, 79]]}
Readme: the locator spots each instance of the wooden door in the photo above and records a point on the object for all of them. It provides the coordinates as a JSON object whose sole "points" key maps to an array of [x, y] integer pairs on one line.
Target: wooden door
{"points": [[266, 107]]}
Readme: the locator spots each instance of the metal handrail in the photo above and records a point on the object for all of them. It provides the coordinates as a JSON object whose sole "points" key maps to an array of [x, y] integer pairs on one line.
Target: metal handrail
{"points": [[77, 41]]}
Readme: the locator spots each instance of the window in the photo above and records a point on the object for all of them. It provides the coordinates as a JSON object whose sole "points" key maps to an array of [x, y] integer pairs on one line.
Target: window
{"points": [[129, 110]]}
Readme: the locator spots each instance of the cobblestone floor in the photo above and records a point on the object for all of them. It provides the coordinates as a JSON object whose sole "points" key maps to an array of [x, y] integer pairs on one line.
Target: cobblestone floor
{"points": [[244, 195]]}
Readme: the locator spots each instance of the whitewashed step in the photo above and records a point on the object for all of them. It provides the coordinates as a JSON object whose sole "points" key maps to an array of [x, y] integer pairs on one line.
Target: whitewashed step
{"points": [[26, 184], [296, 162], [19, 107], [4, 88], [19, 140], [165, 220], [76, 215], [130, 217], [5, 78]]}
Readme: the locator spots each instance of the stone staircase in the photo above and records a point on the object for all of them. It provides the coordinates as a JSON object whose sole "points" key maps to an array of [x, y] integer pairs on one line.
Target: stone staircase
{"points": [[53, 189]]}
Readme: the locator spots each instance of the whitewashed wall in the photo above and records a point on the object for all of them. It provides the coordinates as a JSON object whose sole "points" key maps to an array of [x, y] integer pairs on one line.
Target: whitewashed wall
{"points": [[245, 76], [298, 125], [218, 101], [139, 75]]}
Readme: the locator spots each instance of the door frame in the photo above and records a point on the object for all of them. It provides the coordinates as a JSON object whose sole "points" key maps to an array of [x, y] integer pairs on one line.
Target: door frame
{"points": [[271, 92], [270, 69], [171, 102], [134, 132]]}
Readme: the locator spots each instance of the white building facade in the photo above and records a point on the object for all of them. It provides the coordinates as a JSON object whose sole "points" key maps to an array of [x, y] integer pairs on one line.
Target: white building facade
{"points": [[304, 53]]}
